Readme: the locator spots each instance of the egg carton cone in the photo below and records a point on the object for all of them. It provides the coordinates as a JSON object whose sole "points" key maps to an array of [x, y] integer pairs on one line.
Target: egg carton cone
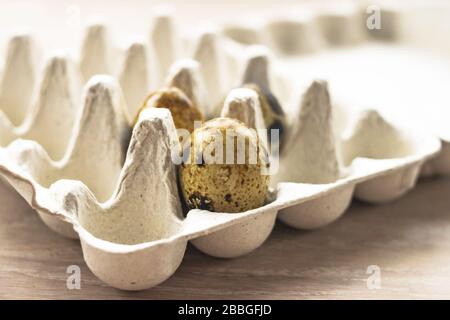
{"points": [[367, 51], [114, 186]]}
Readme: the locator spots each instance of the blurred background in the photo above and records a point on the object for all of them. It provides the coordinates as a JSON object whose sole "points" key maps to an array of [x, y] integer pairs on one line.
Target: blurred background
{"points": [[58, 24]]}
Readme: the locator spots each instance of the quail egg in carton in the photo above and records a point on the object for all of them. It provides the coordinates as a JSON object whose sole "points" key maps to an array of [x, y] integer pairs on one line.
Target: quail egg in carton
{"points": [[99, 165]]}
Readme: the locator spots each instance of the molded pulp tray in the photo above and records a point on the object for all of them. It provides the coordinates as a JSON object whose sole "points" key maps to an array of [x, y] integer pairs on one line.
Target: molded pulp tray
{"points": [[126, 210], [401, 70]]}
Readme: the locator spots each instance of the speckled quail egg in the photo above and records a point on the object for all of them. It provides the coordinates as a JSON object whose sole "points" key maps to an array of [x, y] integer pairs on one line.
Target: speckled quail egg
{"points": [[273, 114], [212, 180], [184, 112]]}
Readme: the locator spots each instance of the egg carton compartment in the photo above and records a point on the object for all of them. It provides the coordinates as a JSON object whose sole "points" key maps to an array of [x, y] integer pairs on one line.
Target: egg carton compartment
{"points": [[401, 68], [90, 176]]}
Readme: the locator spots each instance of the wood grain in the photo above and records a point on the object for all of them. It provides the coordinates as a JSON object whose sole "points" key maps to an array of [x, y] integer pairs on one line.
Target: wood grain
{"points": [[408, 239]]}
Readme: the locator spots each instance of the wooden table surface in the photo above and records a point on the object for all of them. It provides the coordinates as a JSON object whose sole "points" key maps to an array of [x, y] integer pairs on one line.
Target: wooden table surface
{"points": [[408, 239]]}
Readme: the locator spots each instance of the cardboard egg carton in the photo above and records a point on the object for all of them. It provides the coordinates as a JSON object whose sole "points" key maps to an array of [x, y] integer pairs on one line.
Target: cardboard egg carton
{"points": [[410, 35], [77, 164]]}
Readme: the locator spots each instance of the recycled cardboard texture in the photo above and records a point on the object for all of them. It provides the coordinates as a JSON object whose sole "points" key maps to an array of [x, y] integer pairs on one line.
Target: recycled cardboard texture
{"points": [[343, 35], [126, 210]]}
